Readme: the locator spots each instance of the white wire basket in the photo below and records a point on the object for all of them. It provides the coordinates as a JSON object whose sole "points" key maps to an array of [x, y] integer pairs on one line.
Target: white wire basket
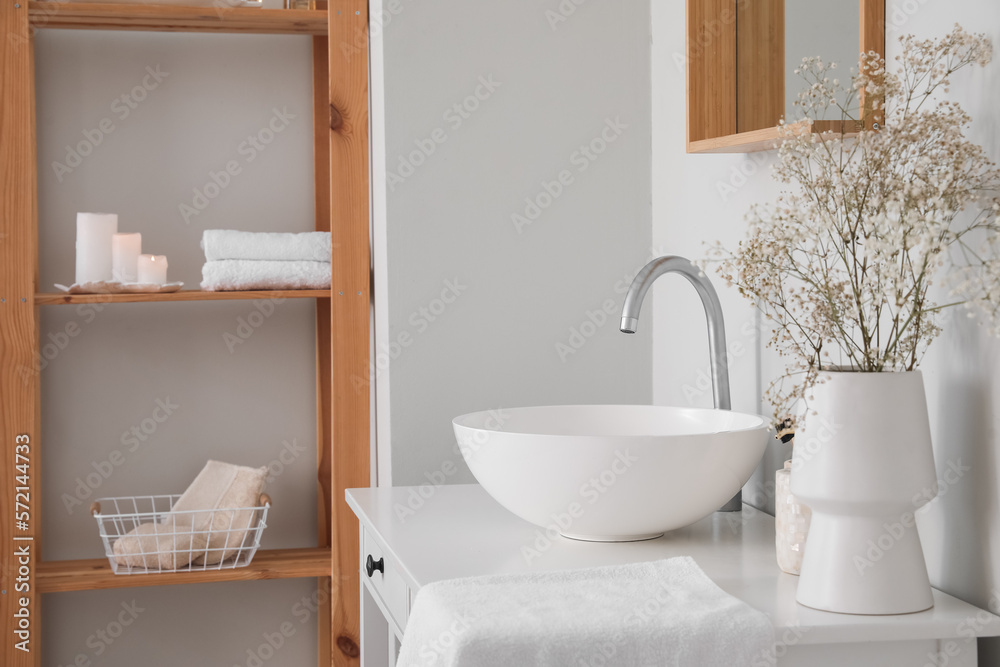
{"points": [[142, 535]]}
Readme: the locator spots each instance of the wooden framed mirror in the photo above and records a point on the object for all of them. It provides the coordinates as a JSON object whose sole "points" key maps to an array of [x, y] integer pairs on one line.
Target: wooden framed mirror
{"points": [[741, 55]]}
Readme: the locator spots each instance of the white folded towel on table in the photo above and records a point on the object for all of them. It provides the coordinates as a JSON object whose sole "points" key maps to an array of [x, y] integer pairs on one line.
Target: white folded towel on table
{"points": [[231, 244], [247, 274], [666, 612]]}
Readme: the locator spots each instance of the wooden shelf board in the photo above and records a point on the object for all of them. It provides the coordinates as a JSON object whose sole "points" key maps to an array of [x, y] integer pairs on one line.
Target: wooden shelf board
{"points": [[95, 574], [171, 18], [761, 140], [61, 298]]}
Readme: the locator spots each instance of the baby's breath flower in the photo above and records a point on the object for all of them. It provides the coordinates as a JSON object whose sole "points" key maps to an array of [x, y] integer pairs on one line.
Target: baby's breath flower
{"points": [[842, 262]]}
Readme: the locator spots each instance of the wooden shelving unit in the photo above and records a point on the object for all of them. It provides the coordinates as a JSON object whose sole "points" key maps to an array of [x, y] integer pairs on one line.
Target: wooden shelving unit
{"points": [[95, 574], [170, 18], [61, 298], [340, 122]]}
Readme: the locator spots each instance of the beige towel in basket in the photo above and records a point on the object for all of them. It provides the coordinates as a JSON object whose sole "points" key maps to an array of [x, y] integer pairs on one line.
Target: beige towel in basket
{"points": [[206, 525], [159, 546], [220, 488]]}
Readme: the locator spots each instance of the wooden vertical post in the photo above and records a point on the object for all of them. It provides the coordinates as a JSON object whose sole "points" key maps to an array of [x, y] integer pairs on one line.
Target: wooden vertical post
{"points": [[350, 309], [19, 381], [324, 340]]}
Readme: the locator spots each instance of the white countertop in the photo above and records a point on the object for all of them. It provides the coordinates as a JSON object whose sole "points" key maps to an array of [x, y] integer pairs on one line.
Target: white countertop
{"points": [[460, 531]]}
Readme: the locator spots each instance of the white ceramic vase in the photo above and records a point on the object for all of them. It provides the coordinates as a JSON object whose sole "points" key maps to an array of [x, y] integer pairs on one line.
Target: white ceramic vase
{"points": [[863, 463]]}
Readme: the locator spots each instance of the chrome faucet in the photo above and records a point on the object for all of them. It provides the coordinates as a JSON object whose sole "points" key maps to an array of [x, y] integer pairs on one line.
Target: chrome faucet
{"points": [[716, 328]]}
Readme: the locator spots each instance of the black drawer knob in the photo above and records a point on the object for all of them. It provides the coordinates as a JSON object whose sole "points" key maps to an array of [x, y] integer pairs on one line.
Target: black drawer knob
{"points": [[374, 565]]}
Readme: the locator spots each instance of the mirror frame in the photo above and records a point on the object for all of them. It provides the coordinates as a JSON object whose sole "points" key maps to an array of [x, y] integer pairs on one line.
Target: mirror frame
{"points": [[716, 66]]}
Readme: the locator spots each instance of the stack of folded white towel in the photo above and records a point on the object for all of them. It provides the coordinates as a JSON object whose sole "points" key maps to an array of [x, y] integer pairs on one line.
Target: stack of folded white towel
{"points": [[265, 260]]}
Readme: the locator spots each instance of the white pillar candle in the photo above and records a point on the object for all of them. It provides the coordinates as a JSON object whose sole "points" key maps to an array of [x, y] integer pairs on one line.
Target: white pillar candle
{"points": [[152, 269], [125, 251], [93, 246]]}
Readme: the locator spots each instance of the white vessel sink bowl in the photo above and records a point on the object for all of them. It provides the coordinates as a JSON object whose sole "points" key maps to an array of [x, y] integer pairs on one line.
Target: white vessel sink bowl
{"points": [[611, 473]]}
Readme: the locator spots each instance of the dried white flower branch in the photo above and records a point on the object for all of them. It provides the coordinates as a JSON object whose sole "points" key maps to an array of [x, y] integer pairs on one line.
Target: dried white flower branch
{"points": [[843, 261]]}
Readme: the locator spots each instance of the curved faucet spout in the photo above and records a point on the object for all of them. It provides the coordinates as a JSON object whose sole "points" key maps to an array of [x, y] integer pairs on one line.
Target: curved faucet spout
{"points": [[713, 311], [716, 326]]}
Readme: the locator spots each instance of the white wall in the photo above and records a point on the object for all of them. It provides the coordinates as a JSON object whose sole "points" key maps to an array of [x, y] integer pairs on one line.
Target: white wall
{"points": [[240, 404], [560, 81], [699, 198], [960, 530]]}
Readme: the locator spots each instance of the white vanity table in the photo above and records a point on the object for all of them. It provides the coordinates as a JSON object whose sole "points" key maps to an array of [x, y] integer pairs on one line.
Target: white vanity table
{"points": [[423, 534]]}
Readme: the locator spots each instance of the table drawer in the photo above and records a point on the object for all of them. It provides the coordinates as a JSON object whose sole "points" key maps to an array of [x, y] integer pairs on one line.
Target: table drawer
{"points": [[386, 582]]}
